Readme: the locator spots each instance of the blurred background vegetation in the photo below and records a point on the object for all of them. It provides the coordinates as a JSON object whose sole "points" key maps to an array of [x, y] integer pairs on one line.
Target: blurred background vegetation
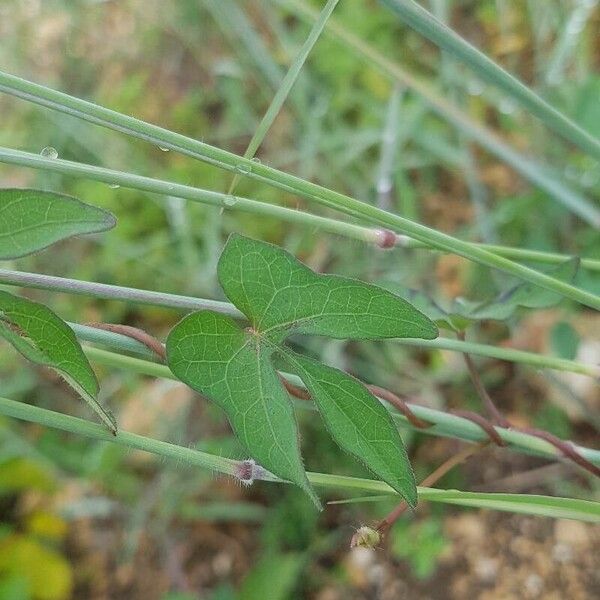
{"points": [[80, 519]]}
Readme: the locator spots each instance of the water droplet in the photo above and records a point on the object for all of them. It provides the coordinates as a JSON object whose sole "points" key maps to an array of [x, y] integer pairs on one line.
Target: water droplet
{"points": [[49, 152], [243, 169], [163, 149], [475, 87], [256, 160], [384, 185], [230, 201], [507, 106], [114, 186]]}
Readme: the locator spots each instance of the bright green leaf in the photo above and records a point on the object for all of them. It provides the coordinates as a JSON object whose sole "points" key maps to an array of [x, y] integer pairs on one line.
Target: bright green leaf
{"points": [[280, 295], [210, 353], [34, 219], [358, 422], [45, 339]]}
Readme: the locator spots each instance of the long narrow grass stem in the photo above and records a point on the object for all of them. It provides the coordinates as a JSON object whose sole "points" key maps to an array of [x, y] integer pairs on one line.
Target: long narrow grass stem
{"points": [[177, 302], [444, 424], [369, 235], [290, 183], [286, 85], [427, 25], [539, 175]]}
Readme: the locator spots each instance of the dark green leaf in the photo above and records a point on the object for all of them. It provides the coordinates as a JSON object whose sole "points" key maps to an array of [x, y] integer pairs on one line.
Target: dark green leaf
{"points": [[45, 339], [280, 295], [358, 423], [33, 219], [233, 367], [210, 353]]}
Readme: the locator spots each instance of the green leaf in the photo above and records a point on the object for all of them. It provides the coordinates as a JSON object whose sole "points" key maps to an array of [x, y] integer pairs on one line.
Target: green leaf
{"points": [[529, 504], [273, 577], [45, 339], [33, 219], [564, 340], [358, 423], [280, 295], [460, 313], [526, 295], [210, 353]]}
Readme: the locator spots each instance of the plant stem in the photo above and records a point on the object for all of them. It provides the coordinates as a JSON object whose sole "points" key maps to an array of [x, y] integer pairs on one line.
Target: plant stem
{"points": [[387, 522], [193, 194], [522, 254], [444, 424], [290, 183], [147, 297], [584, 510], [361, 233], [115, 292]]}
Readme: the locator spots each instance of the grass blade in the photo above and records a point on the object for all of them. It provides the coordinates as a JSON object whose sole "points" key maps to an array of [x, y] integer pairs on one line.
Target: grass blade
{"points": [[286, 85], [528, 504], [311, 191], [427, 25], [368, 235], [537, 174]]}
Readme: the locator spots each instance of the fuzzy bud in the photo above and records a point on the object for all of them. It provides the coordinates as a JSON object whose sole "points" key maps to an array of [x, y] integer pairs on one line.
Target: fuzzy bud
{"points": [[365, 537]]}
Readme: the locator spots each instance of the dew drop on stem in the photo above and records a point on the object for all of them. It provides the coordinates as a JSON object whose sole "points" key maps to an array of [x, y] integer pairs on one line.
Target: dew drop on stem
{"points": [[49, 152]]}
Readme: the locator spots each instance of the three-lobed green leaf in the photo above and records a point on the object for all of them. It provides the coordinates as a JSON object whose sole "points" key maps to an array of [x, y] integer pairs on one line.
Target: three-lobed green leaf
{"points": [[233, 366], [31, 220], [45, 339]]}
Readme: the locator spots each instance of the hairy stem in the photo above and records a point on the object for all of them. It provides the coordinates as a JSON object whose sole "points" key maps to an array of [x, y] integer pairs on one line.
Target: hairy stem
{"points": [[563, 507]]}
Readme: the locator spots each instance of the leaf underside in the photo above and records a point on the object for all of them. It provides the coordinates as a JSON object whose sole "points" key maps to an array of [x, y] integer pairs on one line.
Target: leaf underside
{"points": [[233, 366], [31, 220], [45, 339]]}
